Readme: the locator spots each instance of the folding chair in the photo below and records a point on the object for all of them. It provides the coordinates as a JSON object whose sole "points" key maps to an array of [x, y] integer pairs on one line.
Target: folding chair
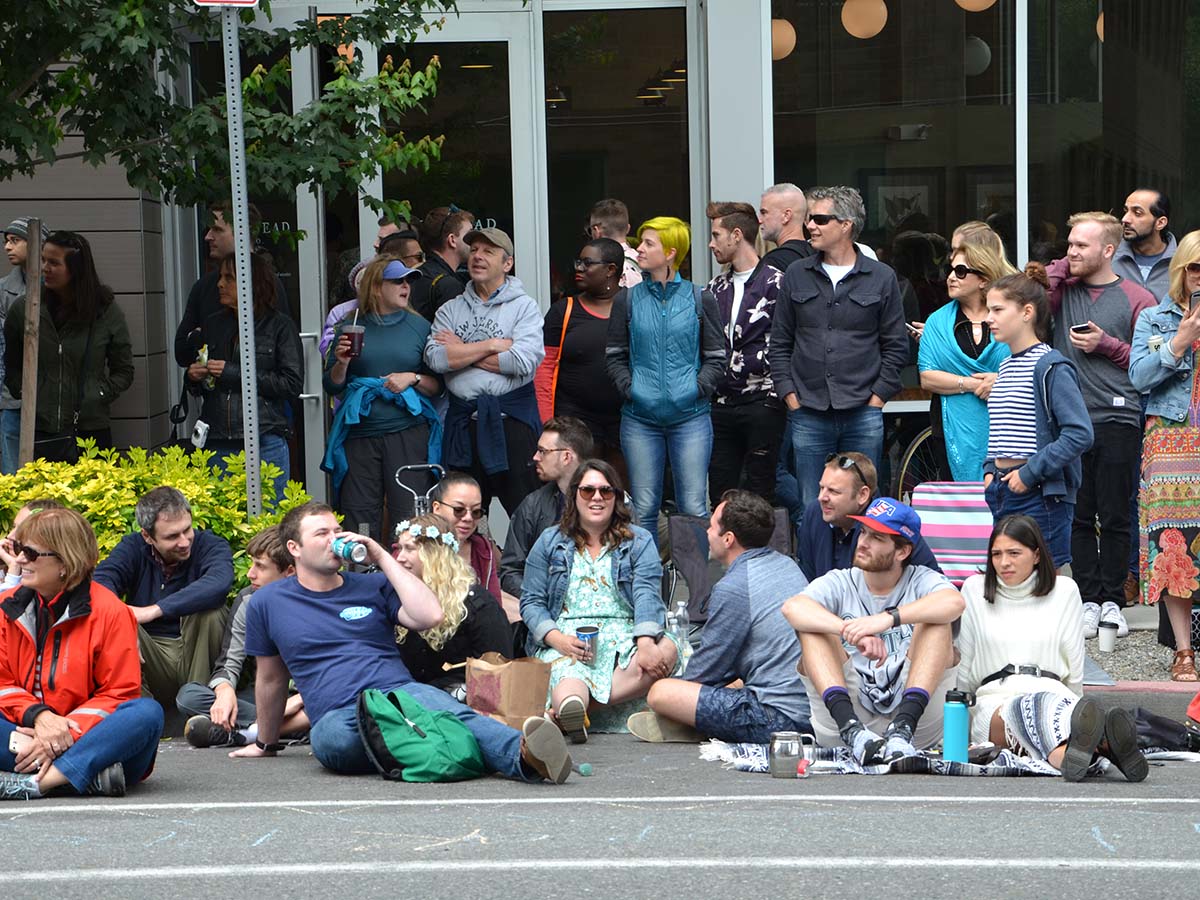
{"points": [[956, 524]]}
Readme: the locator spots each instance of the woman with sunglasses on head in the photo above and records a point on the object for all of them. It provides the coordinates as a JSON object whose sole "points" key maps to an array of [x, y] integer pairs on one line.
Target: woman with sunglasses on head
{"points": [[1032, 465], [71, 711], [572, 380], [959, 360], [1021, 646], [1163, 363], [459, 500], [596, 569], [85, 359], [385, 419]]}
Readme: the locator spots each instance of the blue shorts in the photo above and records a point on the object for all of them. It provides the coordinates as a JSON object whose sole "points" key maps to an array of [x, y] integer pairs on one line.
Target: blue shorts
{"points": [[736, 715]]}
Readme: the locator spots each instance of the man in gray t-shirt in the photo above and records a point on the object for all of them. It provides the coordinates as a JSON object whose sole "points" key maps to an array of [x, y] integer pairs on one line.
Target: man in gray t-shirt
{"points": [[876, 642]]}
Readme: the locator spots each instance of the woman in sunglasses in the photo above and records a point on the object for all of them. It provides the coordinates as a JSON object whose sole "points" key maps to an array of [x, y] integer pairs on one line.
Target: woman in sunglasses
{"points": [[71, 711], [459, 500], [596, 570], [572, 380], [959, 360], [1163, 362]]}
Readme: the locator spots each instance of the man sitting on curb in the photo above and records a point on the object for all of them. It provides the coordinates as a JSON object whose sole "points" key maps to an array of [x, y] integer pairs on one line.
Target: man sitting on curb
{"points": [[333, 632], [876, 642], [746, 637], [829, 532]]}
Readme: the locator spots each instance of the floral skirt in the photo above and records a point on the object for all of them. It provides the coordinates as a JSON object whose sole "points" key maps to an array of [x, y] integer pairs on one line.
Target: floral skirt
{"points": [[1169, 511]]}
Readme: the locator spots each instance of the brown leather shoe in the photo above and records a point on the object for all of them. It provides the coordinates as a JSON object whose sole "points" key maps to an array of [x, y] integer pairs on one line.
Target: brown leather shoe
{"points": [[1132, 589], [1183, 667]]}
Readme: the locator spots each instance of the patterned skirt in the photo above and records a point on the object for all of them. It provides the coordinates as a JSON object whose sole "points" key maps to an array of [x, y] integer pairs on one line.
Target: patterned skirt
{"points": [[1169, 511]]}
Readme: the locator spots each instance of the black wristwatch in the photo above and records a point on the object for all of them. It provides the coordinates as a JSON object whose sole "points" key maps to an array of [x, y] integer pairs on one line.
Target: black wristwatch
{"points": [[895, 613], [269, 748]]}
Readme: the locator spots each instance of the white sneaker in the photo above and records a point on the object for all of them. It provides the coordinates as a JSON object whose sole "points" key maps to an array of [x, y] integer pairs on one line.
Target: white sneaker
{"points": [[1110, 612], [1091, 619]]}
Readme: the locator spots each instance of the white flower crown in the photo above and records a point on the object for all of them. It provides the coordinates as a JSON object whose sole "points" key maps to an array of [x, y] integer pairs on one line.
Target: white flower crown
{"points": [[428, 531]]}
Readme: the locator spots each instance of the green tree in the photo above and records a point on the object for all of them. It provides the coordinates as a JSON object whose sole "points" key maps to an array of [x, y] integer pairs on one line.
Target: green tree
{"points": [[100, 74]]}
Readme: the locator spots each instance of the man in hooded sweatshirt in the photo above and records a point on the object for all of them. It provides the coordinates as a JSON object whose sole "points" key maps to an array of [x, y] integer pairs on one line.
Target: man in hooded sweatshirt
{"points": [[487, 342]]}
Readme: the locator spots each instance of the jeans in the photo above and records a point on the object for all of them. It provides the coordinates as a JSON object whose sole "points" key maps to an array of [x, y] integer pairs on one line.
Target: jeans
{"points": [[745, 448], [337, 744], [647, 448], [10, 439], [129, 735], [272, 448], [815, 435], [1099, 567], [1052, 514]]}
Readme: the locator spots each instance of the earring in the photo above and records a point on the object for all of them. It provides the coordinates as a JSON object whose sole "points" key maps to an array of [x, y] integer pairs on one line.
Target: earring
{"points": [[62, 576]]}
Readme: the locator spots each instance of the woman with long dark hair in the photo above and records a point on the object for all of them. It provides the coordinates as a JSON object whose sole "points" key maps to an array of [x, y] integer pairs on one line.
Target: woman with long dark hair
{"points": [[596, 569], [85, 359], [1021, 646]]}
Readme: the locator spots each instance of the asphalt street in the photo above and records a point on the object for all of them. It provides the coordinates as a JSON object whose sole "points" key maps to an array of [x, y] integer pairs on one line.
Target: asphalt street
{"points": [[651, 821]]}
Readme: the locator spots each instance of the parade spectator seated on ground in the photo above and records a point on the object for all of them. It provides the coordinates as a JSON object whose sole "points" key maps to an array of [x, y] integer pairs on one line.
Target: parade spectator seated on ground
{"points": [[1021, 646], [564, 443], [472, 621], [882, 696], [746, 638], [598, 570], [459, 500], [8, 553], [70, 711], [333, 633], [828, 535], [176, 578], [221, 712]]}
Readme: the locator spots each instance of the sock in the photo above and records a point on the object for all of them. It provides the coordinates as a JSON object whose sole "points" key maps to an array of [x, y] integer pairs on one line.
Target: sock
{"points": [[911, 708], [837, 701], [250, 733]]}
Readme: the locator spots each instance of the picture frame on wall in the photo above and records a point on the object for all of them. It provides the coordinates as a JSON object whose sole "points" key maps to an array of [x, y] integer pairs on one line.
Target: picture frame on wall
{"points": [[904, 199], [988, 191]]}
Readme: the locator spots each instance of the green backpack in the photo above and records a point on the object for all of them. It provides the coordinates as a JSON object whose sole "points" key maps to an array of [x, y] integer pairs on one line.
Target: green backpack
{"points": [[407, 742]]}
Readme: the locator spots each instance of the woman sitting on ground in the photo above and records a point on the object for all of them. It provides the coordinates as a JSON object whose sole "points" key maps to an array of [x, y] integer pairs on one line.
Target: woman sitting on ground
{"points": [[1021, 642], [473, 622], [71, 710], [459, 500], [596, 569]]}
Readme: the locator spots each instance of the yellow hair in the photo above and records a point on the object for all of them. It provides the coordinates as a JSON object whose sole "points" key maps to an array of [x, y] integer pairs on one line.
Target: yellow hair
{"points": [[450, 579], [1187, 251], [674, 235]]}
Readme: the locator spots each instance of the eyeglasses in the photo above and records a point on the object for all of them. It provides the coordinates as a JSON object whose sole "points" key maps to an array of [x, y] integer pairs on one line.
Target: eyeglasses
{"points": [[32, 555], [1193, 268], [584, 263], [588, 491], [846, 462], [542, 451], [419, 256], [823, 218], [461, 512], [960, 271]]}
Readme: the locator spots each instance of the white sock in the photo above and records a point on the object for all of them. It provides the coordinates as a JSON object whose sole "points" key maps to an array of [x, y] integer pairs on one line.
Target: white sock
{"points": [[250, 733]]}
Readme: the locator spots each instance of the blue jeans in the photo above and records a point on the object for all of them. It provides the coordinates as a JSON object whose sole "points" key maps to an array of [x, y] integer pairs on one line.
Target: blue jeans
{"points": [[815, 435], [337, 744], [10, 440], [647, 448], [129, 736], [1052, 514], [272, 448], [729, 714]]}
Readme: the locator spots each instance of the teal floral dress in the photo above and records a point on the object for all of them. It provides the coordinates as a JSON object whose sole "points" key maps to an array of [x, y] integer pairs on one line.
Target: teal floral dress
{"points": [[593, 599]]}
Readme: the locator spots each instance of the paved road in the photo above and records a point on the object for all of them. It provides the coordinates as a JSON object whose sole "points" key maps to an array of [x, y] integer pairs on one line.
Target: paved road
{"points": [[651, 821]]}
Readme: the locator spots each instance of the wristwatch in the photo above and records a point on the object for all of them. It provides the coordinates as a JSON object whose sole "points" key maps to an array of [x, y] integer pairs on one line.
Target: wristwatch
{"points": [[269, 748], [895, 614]]}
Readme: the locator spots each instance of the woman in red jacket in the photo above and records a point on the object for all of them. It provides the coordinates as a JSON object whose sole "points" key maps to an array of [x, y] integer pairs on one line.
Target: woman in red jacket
{"points": [[71, 712]]}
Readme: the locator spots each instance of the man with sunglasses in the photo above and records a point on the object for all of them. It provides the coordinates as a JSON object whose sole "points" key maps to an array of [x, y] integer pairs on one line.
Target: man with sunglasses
{"points": [[442, 234], [828, 534], [837, 340]]}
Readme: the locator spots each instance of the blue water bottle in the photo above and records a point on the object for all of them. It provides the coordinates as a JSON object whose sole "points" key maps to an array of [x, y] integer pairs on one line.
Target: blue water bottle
{"points": [[956, 726]]}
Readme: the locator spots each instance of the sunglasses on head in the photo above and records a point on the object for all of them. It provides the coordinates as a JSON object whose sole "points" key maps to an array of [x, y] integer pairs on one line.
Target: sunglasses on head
{"points": [[845, 462], [960, 271], [823, 218], [460, 512], [588, 491], [29, 553]]}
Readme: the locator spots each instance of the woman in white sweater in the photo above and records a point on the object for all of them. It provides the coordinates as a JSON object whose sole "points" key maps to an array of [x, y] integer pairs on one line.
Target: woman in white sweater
{"points": [[1022, 656]]}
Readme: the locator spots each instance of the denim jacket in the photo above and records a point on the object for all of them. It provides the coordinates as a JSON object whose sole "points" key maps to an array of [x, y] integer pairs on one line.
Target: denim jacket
{"points": [[636, 571], [1167, 379]]}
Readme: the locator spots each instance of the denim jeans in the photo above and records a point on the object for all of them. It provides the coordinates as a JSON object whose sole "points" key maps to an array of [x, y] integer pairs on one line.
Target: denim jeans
{"points": [[129, 736], [272, 448], [647, 449], [337, 744], [735, 714], [10, 440], [817, 434], [1052, 514]]}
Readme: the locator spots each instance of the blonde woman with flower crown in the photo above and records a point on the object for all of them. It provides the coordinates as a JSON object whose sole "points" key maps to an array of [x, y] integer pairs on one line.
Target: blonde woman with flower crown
{"points": [[473, 622]]}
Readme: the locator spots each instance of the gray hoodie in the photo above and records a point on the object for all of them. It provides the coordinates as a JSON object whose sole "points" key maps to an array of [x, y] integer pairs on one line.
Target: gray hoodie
{"points": [[508, 313], [1160, 276]]}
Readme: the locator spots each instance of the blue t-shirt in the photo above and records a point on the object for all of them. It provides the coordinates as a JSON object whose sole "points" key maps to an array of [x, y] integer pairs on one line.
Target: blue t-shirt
{"points": [[336, 644]]}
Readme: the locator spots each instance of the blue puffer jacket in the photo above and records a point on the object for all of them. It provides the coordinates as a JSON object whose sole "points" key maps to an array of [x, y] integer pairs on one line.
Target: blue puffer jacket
{"points": [[662, 357], [1167, 379], [637, 573]]}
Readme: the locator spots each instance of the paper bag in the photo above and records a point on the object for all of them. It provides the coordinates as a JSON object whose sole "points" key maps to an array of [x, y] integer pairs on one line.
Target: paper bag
{"points": [[508, 690]]}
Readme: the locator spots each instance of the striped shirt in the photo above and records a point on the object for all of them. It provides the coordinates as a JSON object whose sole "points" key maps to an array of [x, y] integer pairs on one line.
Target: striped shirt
{"points": [[1012, 428]]}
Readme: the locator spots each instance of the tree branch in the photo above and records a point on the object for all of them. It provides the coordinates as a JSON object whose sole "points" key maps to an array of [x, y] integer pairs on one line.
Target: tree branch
{"points": [[111, 151], [19, 92]]}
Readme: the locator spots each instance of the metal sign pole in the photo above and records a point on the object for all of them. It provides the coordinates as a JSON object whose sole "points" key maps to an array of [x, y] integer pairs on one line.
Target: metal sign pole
{"points": [[241, 233]]}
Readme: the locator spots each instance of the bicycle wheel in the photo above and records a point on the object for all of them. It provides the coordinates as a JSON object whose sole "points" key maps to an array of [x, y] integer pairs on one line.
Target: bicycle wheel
{"points": [[919, 464]]}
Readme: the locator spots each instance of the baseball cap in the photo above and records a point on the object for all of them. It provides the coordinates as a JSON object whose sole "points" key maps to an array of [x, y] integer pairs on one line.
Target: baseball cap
{"points": [[493, 236], [19, 227], [891, 517], [398, 271]]}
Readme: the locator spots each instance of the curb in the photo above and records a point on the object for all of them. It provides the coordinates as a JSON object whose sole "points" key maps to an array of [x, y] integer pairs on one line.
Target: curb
{"points": [[1145, 687]]}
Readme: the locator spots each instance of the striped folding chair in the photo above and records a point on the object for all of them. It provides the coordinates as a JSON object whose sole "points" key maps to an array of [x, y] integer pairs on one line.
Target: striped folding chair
{"points": [[956, 524]]}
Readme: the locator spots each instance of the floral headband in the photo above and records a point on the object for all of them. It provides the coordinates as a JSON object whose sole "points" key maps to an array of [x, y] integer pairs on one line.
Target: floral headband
{"points": [[429, 532]]}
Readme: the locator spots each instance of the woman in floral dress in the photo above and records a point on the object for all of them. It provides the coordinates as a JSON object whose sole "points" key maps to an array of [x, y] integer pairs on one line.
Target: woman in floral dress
{"points": [[596, 569]]}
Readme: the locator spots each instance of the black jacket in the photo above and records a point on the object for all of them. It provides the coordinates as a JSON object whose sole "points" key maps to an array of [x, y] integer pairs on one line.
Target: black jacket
{"points": [[537, 512], [485, 628], [280, 363]]}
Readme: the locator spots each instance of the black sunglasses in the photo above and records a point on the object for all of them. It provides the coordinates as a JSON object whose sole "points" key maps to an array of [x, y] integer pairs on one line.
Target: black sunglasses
{"points": [[1193, 268], [823, 218], [461, 511], [29, 553], [588, 491], [960, 271], [845, 462]]}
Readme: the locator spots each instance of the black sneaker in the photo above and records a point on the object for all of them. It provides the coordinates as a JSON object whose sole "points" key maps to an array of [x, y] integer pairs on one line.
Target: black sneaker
{"points": [[199, 731], [18, 787], [109, 782]]}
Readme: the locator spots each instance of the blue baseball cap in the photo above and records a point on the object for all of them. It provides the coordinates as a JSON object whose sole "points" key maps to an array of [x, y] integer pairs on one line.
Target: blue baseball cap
{"points": [[398, 271], [891, 517]]}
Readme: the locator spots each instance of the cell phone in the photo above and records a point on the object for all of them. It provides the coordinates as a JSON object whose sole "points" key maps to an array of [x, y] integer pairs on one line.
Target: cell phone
{"points": [[1081, 329], [914, 330], [14, 746], [1194, 300]]}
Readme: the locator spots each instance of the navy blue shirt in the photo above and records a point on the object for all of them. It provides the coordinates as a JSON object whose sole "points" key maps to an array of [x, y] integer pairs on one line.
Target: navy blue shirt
{"points": [[335, 644], [822, 547]]}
